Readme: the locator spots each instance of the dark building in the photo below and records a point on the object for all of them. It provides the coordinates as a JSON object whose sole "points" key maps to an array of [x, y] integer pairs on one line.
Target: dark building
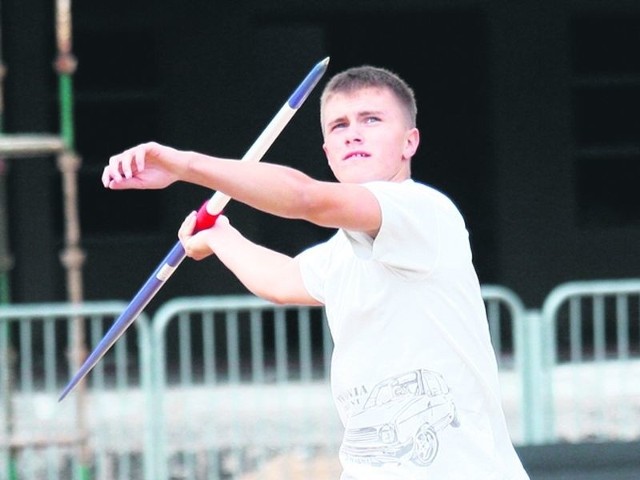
{"points": [[529, 113]]}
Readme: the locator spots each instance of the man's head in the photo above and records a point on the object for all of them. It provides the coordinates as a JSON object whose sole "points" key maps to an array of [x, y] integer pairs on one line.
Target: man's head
{"points": [[368, 118], [366, 76]]}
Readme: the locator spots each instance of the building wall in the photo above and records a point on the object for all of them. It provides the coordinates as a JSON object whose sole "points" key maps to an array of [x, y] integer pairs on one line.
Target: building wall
{"points": [[508, 107]]}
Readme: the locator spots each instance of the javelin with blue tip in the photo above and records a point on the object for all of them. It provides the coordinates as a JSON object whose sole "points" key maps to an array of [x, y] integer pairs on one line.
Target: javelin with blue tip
{"points": [[206, 218]]}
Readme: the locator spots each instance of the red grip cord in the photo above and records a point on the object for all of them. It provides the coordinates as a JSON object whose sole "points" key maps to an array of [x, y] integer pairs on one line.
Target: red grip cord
{"points": [[204, 219]]}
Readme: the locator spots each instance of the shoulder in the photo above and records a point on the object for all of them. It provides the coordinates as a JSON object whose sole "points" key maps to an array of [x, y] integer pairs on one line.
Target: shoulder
{"points": [[412, 193]]}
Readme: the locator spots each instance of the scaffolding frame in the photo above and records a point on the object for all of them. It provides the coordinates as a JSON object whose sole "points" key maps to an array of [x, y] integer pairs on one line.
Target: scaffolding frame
{"points": [[62, 146]]}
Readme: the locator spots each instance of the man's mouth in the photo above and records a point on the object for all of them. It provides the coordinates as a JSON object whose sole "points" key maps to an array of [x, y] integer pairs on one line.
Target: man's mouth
{"points": [[357, 155]]}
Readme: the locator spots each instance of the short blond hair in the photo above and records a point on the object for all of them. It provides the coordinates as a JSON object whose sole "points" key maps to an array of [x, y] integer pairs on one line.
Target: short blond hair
{"points": [[366, 76]]}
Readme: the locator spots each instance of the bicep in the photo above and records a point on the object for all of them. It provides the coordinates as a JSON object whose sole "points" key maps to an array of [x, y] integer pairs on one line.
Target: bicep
{"points": [[348, 206], [287, 287], [264, 272]]}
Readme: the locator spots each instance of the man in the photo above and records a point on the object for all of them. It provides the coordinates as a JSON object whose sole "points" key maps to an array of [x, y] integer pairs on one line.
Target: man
{"points": [[414, 376]]}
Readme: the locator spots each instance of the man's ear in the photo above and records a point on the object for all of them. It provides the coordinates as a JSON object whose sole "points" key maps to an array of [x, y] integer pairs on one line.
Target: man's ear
{"points": [[411, 143]]}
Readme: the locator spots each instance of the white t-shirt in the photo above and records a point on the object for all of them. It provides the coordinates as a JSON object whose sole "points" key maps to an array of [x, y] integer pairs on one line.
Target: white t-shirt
{"points": [[414, 375]]}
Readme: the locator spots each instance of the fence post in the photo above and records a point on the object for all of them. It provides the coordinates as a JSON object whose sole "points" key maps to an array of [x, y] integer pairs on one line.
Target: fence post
{"points": [[156, 398], [537, 388]]}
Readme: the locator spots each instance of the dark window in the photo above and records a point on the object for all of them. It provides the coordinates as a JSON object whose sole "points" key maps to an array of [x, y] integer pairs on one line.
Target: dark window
{"points": [[606, 113]]}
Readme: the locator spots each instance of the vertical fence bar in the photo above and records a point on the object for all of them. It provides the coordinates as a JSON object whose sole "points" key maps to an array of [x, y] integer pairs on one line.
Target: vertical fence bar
{"points": [[599, 349], [576, 346], [495, 323], [208, 348], [539, 381], [505, 309], [184, 338], [158, 455], [257, 347], [281, 345], [304, 341], [599, 331], [96, 330], [623, 354], [233, 347], [575, 327], [50, 363], [26, 358], [622, 327], [233, 368]]}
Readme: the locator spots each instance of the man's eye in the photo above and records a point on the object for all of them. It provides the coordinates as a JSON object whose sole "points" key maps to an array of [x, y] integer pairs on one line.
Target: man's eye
{"points": [[336, 126], [372, 119]]}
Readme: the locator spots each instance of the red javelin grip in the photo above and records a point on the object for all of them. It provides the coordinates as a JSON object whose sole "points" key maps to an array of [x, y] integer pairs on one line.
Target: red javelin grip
{"points": [[204, 219]]}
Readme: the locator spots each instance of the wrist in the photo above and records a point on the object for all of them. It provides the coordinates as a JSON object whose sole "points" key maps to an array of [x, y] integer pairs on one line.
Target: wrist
{"points": [[195, 168], [185, 170]]}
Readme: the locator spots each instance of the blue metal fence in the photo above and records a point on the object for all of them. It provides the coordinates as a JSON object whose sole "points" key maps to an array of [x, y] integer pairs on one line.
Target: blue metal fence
{"points": [[43, 439], [592, 356], [239, 382], [236, 387], [506, 316]]}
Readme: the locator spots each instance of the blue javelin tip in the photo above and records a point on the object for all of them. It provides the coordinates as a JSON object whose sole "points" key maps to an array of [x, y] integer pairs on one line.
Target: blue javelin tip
{"points": [[174, 257], [304, 89]]}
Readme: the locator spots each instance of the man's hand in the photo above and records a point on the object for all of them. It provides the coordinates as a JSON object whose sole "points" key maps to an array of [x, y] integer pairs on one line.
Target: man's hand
{"points": [[146, 166], [200, 245]]}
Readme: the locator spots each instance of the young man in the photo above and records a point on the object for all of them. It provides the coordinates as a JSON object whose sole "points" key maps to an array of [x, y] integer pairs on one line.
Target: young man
{"points": [[414, 376]]}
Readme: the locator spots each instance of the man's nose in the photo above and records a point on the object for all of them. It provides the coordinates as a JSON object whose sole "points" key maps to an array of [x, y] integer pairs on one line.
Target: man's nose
{"points": [[353, 135]]}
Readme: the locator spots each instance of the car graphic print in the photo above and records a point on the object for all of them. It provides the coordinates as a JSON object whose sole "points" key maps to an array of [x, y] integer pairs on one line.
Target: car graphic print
{"points": [[400, 421]]}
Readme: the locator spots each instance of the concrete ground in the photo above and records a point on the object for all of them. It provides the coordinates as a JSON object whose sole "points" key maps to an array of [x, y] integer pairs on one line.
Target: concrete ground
{"points": [[592, 403]]}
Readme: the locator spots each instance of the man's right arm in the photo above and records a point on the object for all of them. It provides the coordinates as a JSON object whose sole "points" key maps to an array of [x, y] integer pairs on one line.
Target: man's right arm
{"points": [[266, 273], [271, 188]]}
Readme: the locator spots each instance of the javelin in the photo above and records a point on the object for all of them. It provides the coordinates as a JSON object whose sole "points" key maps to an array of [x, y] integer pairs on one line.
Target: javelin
{"points": [[206, 218]]}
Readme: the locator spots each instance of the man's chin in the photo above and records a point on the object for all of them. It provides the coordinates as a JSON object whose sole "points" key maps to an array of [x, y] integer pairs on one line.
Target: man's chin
{"points": [[355, 177]]}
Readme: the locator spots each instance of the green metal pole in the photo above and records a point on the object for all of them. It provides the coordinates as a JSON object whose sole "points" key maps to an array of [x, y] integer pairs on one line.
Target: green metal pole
{"points": [[7, 358], [72, 257], [5, 291], [65, 92]]}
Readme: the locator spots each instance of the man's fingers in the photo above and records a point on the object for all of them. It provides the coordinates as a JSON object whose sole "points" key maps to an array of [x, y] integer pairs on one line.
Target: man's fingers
{"points": [[113, 169], [122, 166], [186, 229], [139, 158], [106, 177]]}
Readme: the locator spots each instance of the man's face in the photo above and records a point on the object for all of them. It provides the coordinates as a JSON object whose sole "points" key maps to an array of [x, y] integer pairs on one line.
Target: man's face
{"points": [[367, 136]]}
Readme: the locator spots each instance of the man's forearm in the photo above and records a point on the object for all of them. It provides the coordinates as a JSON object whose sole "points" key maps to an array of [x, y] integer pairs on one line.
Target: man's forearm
{"points": [[271, 188], [264, 272]]}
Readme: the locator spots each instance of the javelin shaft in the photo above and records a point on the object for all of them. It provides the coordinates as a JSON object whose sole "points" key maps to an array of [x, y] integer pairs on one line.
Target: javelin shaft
{"points": [[206, 217]]}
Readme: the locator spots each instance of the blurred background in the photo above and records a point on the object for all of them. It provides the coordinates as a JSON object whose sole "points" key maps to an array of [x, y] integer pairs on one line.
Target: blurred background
{"points": [[529, 114]]}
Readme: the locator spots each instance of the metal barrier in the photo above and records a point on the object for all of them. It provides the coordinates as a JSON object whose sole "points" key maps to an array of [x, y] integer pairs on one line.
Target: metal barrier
{"points": [[592, 332], [41, 438], [236, 387], [271, 410], [506, 316], [269, 366]]}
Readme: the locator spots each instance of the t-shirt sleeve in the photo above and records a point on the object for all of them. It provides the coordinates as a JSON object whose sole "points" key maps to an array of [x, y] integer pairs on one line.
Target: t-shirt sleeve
{"points": [[409, 240], [314, 263], [421, 231]]}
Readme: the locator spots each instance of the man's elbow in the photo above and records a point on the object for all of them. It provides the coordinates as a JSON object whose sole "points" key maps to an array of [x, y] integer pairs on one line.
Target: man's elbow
{"points": [[285, 296]]}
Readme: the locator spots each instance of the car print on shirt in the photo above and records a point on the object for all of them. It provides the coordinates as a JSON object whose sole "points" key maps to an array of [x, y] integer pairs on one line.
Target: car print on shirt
{"points": [[400, 421]]}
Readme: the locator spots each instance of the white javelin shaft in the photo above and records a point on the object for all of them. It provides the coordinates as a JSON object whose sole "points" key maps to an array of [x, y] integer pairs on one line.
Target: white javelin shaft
{"points": [[213, 207], [255, 153]]}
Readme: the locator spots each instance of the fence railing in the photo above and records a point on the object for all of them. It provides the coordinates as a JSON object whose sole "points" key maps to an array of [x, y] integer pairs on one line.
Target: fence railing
{"points": [[236, 387], [592, 356], [41, 438]]}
